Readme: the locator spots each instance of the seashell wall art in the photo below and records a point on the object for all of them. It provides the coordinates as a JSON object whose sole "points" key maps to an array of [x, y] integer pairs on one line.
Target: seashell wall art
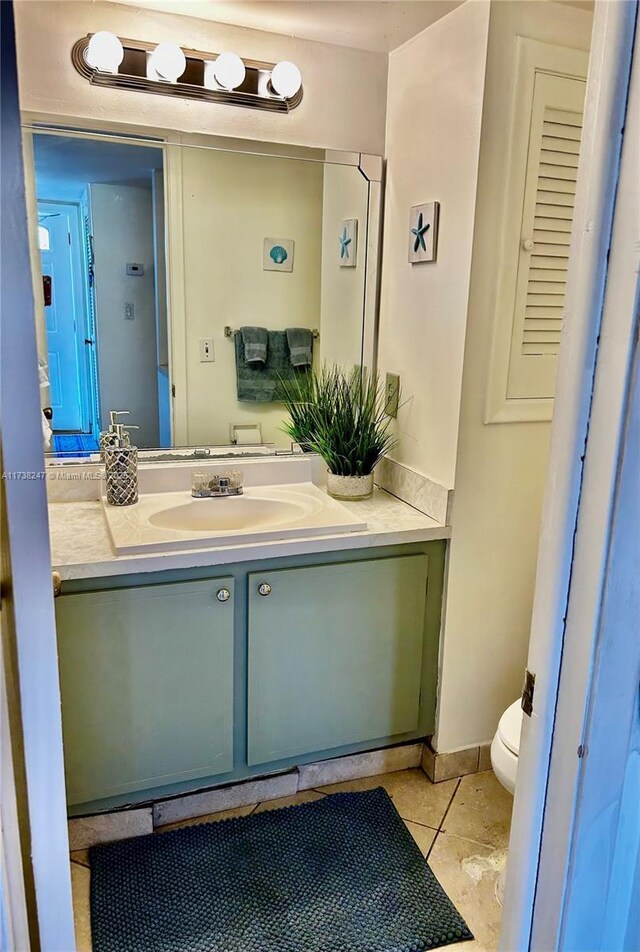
{"points": [[277, 254]]}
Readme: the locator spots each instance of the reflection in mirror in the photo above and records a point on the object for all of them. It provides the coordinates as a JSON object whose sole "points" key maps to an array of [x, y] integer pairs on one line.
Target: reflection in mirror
{"points": [[181, 282], [103, 342]]}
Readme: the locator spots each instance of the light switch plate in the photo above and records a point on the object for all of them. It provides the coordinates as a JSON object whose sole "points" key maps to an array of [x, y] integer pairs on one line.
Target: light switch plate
{"points": [[129, 312], [207, 355], [391, 394]]}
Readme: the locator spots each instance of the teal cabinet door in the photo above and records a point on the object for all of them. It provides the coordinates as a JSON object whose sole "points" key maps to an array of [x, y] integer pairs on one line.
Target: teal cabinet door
{"points": [[147, 686], [335, 655]]}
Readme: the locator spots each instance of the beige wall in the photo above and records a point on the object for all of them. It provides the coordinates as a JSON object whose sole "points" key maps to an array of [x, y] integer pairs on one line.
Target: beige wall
{"points": [[501, 469], [434, 112], [345, 195], [230, 203], [344, 88]]}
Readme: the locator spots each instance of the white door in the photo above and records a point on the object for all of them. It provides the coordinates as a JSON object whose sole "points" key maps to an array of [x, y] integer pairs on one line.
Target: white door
{"points": [[602, 906], [60, 243], [572, 878]]}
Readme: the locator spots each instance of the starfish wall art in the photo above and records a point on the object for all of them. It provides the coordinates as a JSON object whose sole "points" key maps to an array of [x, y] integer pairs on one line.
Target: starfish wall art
{"points": [[348, 243], [423, 232]]}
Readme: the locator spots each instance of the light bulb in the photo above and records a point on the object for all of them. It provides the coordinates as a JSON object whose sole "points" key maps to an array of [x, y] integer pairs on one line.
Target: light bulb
{"points": [[167, 62], [286, 79], [229, 70], [104, 52]]}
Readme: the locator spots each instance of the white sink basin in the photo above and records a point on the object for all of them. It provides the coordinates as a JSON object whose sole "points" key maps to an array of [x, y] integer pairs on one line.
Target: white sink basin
{"points": [[173, 521], [233, 513]]}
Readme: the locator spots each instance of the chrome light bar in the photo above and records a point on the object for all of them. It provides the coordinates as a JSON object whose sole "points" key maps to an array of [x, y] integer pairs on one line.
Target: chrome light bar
{"points": [[197, 81]]}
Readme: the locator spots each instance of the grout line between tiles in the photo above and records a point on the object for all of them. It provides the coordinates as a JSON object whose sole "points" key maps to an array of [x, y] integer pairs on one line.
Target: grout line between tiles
{"points": [[468, 839], [426, 826], [444, 817], [449, 805], [79, 862]]}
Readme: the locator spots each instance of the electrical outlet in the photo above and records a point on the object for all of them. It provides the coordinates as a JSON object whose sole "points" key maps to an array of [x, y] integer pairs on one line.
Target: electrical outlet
{"points": [[207, 355], [392, 394], [129, 312]]}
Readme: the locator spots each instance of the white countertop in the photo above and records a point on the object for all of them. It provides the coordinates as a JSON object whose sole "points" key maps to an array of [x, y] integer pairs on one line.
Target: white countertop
{"points": [[80, 545]]}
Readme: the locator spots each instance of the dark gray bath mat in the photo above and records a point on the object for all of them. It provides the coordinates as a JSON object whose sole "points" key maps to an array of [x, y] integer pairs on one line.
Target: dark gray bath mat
{"points": [[341, 874]]}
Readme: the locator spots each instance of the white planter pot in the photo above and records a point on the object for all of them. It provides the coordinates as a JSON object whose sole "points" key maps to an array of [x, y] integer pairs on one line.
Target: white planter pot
{"points": [[350, 488]]}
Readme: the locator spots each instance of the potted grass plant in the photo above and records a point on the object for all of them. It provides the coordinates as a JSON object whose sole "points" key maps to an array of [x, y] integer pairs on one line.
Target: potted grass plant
{"points": [[340, 415], [300, 395]]}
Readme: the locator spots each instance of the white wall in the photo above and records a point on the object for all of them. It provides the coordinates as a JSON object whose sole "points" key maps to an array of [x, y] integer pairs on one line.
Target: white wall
{"points": [[122, 227], [345, 195], [230, 203], [434, 111], [344, 89], [501, 468]]}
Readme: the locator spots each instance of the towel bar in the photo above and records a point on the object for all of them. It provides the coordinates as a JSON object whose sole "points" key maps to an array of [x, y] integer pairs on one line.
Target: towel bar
{"points": [[231, 331]]}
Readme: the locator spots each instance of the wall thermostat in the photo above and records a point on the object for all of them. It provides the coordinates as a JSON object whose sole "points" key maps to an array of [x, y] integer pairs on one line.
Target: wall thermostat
{"points": [[137, 270]]}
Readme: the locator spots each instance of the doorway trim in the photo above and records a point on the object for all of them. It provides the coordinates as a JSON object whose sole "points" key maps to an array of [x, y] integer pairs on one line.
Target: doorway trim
{"points": [[88, 399], [582, 466], [27, 591]]}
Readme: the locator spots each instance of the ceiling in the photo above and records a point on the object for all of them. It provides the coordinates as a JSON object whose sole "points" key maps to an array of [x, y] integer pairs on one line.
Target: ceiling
{"points": [[372, 25]]}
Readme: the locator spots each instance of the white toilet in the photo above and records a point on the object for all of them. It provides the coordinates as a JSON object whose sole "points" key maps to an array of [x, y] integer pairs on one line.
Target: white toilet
{"points": [[506, 745], [504, 760]]}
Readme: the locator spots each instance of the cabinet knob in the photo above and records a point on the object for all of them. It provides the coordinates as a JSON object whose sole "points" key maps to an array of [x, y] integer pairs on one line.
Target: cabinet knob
{"points": [[527, 244], [264, 589], [223, 595]]}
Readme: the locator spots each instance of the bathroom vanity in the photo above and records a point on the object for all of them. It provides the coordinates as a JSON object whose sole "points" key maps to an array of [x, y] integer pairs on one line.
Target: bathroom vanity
{"points": [[193, 668], [206, 641]]}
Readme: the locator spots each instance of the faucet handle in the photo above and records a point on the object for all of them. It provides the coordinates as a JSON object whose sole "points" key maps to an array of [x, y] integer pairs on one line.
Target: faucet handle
{"points": [[235, 478], [200, 486]]}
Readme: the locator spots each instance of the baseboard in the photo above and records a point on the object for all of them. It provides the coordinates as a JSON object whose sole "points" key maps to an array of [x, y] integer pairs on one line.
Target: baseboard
{"points": [[459, 763], [121, 824]]}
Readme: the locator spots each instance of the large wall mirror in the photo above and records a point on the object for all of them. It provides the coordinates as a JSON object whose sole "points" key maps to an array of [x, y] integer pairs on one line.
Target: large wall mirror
{"points": [[152, 255]]}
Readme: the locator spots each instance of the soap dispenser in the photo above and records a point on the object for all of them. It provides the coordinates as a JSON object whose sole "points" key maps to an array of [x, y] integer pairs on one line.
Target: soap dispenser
{"points": [[108, 437], [121, 469]]}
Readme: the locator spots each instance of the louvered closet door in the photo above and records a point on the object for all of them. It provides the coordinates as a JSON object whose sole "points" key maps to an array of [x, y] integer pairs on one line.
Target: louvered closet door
{"points": [[547, 218]]}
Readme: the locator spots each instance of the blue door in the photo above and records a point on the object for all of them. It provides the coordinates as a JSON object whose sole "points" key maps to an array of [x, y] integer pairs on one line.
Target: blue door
{"points": [[61, 256]]}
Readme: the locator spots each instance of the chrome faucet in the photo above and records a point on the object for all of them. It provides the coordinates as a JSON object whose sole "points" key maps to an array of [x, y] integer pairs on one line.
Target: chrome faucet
{"points": [[205, 486]]}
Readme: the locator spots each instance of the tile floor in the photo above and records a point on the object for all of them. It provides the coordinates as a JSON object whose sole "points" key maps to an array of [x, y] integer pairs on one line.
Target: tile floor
{"points": [[461, 826]]}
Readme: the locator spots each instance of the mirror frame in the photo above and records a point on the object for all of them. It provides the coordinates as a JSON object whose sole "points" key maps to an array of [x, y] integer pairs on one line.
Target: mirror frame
{"points": [[371, 167]]}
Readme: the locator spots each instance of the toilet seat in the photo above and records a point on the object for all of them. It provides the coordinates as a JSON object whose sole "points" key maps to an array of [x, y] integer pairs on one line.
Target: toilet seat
{"points": [[510, 727], [506, 745]]}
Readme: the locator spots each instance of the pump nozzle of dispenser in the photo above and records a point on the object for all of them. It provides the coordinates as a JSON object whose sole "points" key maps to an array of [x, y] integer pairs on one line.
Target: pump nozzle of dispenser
{"points": [[121, 437], [121, 468], [108, 437]]}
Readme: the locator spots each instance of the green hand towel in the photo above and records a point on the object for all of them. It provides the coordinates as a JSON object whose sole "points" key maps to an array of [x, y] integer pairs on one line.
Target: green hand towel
{"points": [[258, 383], [255, 340], [300, 340]]}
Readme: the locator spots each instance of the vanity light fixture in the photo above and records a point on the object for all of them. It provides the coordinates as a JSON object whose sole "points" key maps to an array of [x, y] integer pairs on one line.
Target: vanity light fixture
{"points": [[104, 52], [286, 79], [167, 69], [228, 71], [167, 62]]}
